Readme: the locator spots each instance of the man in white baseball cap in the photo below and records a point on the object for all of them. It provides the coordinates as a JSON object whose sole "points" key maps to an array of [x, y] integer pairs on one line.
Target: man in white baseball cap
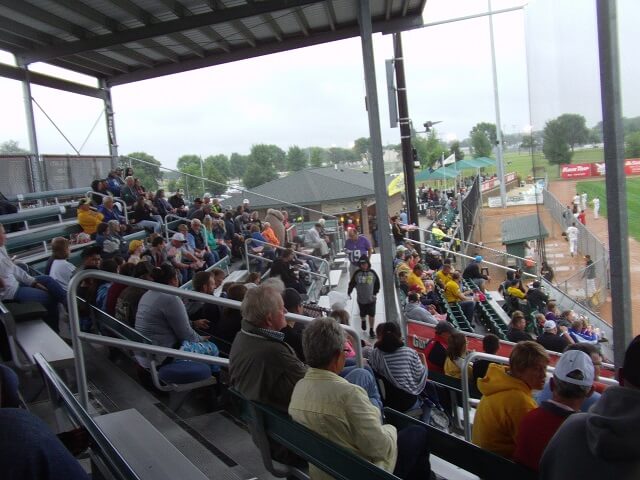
{"points": [[571, 384]]}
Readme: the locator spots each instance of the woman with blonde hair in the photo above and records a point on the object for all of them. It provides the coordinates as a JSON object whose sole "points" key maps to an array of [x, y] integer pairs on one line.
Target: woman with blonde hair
{"points": [[136, 247], [209, 236], [58, 267]]}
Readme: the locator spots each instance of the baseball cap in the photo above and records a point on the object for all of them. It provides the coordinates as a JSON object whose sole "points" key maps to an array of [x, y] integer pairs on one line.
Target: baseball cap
{"points": [[575, 361], [536, 284], [246, 200], [478, 258], [178, 237], [197, 200], [207, 195], [364, 260], [444, 327], [291, 299], [549, 325], [401, 248]]}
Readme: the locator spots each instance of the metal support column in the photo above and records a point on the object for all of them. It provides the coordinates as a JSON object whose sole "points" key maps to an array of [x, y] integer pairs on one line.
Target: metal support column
{"points": [[111, 127], [496, 99], [405, 135], [379, 180], [34, 158], [615, 178]]}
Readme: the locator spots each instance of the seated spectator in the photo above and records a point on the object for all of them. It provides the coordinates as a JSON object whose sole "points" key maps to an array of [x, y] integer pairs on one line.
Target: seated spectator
{"points": [[552, 312], [343, 318], [402, 366], [254, 279], [98, 187], [454, 295], [231, 320], [473, 273], [88, 218], [110, 266], [506, 397], [516, 331], [157, 254], [258, 245], [219, 235], [18, 285], [59, 268], [276, 219], [113, 243], [293, 330], [198, 244], [269, 234], [314, 240], [116, 288], [403, 284], [436, 350], [284, 268], [210, 239], [127, 302], [342, 413], [596, 359], [536, 296], [178, 256], [128, 192], [571, 384], [218, 276], [203, 282], [604, 439], [414, 310], [490, 345], [114, 182], [109, 212], [456, 354], [414, 279], [163, 207], [144, 217], [444, 276], [566, 318], [90, 257], [136, 247], [551, 340], [581, 332], [163, 317], [177, 202], [262, 367]]}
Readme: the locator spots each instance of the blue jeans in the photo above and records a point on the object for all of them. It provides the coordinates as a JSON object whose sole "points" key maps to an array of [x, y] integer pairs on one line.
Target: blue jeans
{"points": [[363, 377], [55, 294], [156, 226], [468, 308], [9, 388], [30, 451]]}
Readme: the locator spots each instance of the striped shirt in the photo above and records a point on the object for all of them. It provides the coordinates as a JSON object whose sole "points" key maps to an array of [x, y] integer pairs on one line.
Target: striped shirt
{"points": [[403, 368]]}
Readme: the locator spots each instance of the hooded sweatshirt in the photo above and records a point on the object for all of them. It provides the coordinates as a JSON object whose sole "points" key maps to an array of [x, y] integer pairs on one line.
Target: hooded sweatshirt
{"points": [[505, 401], [602, 443], [275, 219]]}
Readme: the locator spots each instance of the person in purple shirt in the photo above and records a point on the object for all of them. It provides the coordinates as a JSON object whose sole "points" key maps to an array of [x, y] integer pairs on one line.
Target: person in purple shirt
{"points": [[357, 246]]}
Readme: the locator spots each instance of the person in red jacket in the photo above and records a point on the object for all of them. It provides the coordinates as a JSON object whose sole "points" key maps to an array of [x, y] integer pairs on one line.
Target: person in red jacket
{"points": [[571, 384], [436, 349]]}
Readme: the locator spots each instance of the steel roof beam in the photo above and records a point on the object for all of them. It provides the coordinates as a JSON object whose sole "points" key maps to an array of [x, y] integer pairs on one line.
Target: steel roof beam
{"points": [[331, 13], [391, 26], [159, 29]]}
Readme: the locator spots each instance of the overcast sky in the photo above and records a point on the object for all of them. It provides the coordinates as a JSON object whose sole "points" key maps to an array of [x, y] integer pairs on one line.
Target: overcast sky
{"points": [[315, 96]]}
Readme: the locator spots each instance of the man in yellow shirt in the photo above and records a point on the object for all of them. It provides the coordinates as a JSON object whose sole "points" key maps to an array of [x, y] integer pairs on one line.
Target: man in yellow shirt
{"points": [[444, 275], [506, 397], [414, 279], [87, 218], [453, 294], [341, 412]]}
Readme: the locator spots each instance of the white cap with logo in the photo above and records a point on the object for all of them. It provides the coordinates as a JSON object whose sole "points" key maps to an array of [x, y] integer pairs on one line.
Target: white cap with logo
{"points": [[575, 363]]}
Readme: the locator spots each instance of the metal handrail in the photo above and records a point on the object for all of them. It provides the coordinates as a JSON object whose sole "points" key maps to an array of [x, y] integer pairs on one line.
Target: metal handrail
{"points": [[278, 247], [115, 199], [166, 222], [77, 336], [464, 380], [509, 269]]}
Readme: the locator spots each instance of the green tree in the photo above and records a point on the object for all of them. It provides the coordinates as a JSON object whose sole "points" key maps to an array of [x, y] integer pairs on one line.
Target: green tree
{"points": [[342, 155], [430, 149], [528, 142], [191, 165], [261, 168], [632, 145], [575, 129], [362, 148], [238, 165], [455, 149], [489, 129], [555, 145], [148, 170], [172, 185], [276, 156], [296, 159], [11, 146], [221, 164], [480, 144], [315, 156]]}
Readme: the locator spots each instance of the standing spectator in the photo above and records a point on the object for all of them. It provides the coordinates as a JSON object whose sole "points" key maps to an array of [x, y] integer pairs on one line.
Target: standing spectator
{"points": [[550, 339], [490, 345], [547, 272], [605, 440], [590, 275], [88, 218], [341, 412], [582, 217], [596, 207], [59, 268], [18, 285], [456, 354], [367, 284], [571, 384], [516, 332], [396, 230], [356, 246], [572, 236], [506, 398], [275, 219], [436, 350]]}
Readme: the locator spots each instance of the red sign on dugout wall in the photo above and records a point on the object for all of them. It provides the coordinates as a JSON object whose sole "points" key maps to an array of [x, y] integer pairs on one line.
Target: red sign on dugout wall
{"points": [[576, 170], [584, 170]]}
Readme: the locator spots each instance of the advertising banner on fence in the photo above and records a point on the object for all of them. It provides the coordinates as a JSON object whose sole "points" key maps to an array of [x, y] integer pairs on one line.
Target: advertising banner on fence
{"points": [[576, 170], [597, 169], [632, 166]]}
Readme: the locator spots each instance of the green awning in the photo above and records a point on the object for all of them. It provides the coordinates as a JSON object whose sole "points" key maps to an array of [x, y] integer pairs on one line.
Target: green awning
{"points": [[521, 229], [442, 173], [485, 161]]}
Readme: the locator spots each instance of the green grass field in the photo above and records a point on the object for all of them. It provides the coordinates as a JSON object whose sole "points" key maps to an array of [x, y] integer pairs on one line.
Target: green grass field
{"points": [[522, 163], [597, 188]]}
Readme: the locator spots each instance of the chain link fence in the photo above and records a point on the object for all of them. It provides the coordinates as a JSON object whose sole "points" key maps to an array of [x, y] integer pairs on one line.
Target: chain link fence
{"points": [[16, 175], [590, 289]]}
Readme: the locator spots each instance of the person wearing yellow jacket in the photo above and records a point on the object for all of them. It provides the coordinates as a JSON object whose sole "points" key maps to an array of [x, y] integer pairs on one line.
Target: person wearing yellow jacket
{"points": [[506, 397], [87, 218]]}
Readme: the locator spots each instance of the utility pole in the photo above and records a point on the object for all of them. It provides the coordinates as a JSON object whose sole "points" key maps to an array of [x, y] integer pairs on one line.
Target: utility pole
{"points": [[405, 136]]}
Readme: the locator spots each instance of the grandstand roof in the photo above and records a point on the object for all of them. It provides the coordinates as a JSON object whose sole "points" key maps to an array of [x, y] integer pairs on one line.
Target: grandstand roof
{"points": [[521, 229], [122, 41], [312, 186]]}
